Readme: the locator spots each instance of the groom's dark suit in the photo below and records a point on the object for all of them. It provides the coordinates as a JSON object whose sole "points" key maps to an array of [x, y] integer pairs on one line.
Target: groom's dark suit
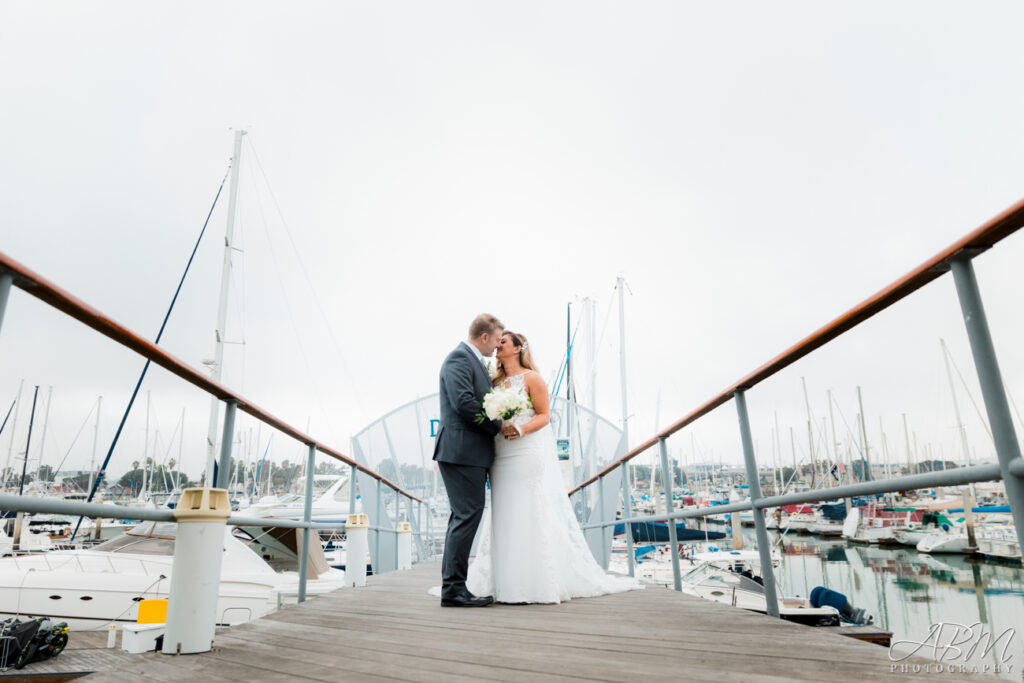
{"points": [[464, 451]]}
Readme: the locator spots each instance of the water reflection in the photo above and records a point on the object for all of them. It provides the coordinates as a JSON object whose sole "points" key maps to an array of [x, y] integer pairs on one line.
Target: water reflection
{"points": [[907, 591]]}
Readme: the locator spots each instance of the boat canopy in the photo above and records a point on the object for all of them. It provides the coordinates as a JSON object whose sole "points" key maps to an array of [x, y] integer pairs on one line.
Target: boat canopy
{"points": [[147, 538]]}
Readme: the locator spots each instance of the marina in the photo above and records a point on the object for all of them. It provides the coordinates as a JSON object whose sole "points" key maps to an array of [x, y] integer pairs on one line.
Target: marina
{"points": [[739, 402], [854, 594]]}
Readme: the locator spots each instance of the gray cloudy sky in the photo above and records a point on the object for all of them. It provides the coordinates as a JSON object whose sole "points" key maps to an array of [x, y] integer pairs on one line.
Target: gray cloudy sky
{"points": [[753, 169]]}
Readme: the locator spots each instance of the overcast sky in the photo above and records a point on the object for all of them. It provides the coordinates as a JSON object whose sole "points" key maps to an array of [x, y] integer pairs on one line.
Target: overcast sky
{"points": [[752, 169]]}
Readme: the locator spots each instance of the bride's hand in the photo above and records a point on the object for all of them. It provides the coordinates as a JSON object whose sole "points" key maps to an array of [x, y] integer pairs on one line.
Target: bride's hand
{"points": [[508, 430]]}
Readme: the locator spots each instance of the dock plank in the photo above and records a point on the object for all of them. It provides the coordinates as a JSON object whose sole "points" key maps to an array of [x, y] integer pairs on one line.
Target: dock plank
{"points": [[392, 630]]}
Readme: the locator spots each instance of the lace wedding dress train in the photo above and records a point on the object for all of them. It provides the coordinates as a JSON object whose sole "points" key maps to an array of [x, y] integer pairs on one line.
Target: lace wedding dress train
{"points": [[531, 548]]}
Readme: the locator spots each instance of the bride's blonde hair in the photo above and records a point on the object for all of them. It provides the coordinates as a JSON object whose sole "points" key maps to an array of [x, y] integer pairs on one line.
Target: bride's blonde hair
{"points": [[525, 359]]}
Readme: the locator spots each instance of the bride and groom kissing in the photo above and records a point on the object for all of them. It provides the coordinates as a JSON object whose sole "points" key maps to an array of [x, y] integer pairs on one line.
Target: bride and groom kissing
{"points": [[531, 548]]}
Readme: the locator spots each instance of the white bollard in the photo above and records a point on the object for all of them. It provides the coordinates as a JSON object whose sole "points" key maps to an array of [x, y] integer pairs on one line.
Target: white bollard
{"points": [[195, 574], [357, 543], [404, 545]]}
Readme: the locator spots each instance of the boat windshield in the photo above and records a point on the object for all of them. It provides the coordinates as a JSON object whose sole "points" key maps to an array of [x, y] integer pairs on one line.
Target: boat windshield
{"points": [[710, 576], [148, 538]]}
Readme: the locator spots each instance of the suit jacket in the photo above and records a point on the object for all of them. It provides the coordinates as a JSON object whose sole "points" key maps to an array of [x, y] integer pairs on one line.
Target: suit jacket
{"points": [[464, 383]]}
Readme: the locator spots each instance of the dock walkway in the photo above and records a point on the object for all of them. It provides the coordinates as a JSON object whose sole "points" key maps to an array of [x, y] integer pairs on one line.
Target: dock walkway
{"points": [[392, 630]]}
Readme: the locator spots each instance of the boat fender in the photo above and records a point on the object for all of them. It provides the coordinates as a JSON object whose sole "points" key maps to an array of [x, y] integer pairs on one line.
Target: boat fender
{"points": [[821, 596]]}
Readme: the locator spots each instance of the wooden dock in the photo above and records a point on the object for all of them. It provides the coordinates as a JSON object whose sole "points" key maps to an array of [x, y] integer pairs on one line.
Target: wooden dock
{"points": [[86, 652], [392, 630]]}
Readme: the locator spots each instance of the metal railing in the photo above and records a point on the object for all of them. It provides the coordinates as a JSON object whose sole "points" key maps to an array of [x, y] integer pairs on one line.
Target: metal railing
{"points": [[956, 258], [13, 273]]}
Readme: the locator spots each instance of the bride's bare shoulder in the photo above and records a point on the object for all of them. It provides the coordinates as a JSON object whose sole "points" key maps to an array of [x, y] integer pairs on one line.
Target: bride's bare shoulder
{"points": [[533, 378]]}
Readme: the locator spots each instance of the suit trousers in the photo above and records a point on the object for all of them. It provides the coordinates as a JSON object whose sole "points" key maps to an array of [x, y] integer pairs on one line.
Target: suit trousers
{"points": [[466, 487]]}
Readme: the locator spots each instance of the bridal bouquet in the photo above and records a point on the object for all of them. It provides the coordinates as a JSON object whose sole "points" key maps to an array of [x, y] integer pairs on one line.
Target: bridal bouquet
{"points": [[503, 403]]}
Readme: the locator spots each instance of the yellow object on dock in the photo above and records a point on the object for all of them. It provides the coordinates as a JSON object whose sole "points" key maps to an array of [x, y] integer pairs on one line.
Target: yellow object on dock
{"points": [[152, 611]]}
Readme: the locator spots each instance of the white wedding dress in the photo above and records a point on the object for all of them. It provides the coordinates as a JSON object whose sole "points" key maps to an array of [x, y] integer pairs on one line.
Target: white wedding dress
{"points": [[530, 547]]}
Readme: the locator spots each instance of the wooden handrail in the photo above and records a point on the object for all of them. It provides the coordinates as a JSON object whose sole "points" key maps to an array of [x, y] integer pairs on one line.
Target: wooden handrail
{"points": [[48, 292], [981, 239]]}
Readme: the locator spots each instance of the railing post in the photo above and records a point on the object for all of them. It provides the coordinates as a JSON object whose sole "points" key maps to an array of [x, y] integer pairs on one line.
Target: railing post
{"points": [[352, 490], [430, 540], [627, 512], [397, 506], [666, 480], [224, 473], [764, 546], [602, 519], [6, 279], [378, 523], [419, 528], [307, 515], [992, 389]]}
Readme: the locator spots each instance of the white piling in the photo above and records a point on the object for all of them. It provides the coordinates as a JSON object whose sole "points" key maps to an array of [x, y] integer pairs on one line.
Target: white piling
{"points": [[195, 575], [357, 544], [404, 545]]}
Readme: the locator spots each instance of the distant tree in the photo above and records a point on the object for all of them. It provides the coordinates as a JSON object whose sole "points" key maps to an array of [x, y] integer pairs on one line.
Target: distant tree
{"points": [[163, 479], [132, 479], [45, 473]]}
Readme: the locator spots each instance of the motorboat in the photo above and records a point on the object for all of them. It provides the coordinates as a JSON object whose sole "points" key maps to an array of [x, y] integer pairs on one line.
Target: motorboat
{"points": [[733, 578], [102, 585], [879, 525], [332, 506], [953, 540], [998, 540]]}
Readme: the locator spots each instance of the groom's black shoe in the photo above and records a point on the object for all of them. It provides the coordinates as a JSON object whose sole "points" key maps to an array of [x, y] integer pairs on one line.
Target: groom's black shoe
{"points": [[466, 599]]}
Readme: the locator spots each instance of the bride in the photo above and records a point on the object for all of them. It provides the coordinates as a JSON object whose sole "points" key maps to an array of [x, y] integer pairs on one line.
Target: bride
{"points": [[531, 548]]}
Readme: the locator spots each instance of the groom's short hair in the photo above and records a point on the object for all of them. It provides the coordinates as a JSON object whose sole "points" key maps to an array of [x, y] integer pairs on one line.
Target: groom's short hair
{"points": [[485, 323]]}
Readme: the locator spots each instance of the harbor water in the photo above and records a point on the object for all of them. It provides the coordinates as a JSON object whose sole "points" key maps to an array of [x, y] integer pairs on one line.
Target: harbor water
{"points": [[914, 594]]}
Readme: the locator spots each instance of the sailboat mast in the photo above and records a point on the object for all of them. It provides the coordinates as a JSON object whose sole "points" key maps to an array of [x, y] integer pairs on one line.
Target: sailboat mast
{"points": [[657, 426], [885, 449], [864, 437], [810, 437], [956, 411], [95, 440], [792, 446], [14, 429], [906, 438], [222, 306], [956, 406], [620, 285], [145, 449], [590, 306], [46, 424], [568, 389], [181, 447]]}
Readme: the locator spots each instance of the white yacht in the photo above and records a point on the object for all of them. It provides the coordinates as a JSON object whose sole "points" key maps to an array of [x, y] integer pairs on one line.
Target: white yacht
{"points": [[332, 506], [998, 540], [90, 588], [941, 541]]}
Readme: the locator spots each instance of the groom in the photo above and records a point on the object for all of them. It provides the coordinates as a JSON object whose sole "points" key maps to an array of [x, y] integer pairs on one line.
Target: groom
{"points": [[464, 451]]}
